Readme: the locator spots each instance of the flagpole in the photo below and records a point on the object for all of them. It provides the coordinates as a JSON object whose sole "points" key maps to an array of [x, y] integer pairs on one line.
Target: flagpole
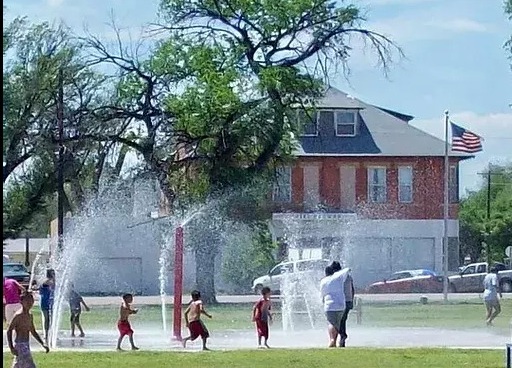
{"points": [[446, 206]]}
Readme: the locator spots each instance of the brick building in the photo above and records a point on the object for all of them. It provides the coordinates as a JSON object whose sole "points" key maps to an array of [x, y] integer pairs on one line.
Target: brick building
{"points": [[366, 186]]}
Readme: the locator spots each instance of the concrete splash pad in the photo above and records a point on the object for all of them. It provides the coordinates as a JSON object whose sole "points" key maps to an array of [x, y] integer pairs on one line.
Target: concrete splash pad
{"points": [[153, 339]]}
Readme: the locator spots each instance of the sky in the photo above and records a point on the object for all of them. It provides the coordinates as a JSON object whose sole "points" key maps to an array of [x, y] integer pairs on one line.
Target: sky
{"points": [[454, 60]]}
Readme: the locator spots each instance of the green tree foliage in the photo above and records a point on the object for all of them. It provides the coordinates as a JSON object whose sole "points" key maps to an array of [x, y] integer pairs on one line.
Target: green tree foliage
{"points": [[251, 63], [25, 197], [474, 222], [213, 103], [35, 55], [210, 107]]}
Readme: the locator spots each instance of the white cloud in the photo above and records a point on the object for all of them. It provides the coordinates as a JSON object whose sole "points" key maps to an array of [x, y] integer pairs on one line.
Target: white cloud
{"points": [[494, 128], [422, 27], [459, 25], [55, 2]]}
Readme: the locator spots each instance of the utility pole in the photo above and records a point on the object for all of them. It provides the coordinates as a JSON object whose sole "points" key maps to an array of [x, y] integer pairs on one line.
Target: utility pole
{"points": [[446, 205], [60, 164], [488, 175]]}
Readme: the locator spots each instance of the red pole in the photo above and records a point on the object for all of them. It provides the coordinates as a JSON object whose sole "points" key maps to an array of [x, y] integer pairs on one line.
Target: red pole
{"points": [[178, 281]]}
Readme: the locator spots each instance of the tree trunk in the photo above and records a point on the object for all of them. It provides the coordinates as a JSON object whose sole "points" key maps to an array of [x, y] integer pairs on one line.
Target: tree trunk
{"points": [[205, 272], [205, 242]]}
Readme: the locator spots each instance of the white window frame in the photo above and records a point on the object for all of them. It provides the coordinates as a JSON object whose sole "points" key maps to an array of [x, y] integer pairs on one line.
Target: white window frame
{"points": [[277, 187], [315, 118], [354, 113], [371, 185], [400, 185]]}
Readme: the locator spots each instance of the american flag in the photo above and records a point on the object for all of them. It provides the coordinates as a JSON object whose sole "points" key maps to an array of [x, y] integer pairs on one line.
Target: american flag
{"points": [[464, 140]]}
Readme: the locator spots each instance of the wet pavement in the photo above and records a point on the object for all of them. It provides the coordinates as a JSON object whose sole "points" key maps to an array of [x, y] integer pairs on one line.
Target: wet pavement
{"points": [[154, 339]]}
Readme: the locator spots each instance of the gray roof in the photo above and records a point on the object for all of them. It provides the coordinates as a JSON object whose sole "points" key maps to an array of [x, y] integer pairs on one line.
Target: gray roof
{"points": [[334, 98], [381, 132]]}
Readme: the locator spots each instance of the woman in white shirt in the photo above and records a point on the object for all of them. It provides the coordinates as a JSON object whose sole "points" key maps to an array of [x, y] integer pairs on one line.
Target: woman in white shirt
{"points": [[333, 300]]}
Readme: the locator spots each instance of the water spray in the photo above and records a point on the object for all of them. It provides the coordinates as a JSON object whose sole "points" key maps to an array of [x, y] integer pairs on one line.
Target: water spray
{"points": [[34, 264]]}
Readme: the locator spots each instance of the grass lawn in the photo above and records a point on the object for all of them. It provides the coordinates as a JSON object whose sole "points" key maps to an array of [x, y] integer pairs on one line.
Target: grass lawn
{"points": [[456, 315], [353, 358], [231, 316]]}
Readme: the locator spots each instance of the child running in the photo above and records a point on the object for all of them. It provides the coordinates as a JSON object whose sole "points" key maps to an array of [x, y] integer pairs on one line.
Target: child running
{"points": [[23, 325], [75, 307], [123, 325], [193, 320], [46, 296], [261, 316]]}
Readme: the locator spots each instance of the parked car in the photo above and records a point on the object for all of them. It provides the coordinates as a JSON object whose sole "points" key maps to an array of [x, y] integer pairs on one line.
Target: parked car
{"points": [[470, 278], [18, 272], [408, 281], [275, 276]]}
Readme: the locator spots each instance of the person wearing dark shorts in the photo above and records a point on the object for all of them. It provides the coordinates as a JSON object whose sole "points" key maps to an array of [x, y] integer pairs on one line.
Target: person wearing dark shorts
{"points": [[198, 329], [46, 294], [193, 320], [349, 305], [75, 307], [333, 300], [261, 316], [123, 324]]}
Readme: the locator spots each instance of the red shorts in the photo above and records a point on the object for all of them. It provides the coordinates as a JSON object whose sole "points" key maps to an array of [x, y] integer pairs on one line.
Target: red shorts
{"points": [[262, 328], [124, 328], [197, 328]]}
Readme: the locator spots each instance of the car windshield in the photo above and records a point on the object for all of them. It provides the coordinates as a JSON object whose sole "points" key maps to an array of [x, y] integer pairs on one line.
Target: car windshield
{"points": [[14, 268], [469, 270], [312, 265], [423, 273], [399, 276]]}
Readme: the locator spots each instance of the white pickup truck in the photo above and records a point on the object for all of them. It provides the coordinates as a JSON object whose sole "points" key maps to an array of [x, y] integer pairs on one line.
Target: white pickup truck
{"points": [[470, 278]]}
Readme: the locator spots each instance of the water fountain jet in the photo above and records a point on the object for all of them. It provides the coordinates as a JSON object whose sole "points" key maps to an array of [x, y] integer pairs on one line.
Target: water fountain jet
{"points": [[34, 264]]}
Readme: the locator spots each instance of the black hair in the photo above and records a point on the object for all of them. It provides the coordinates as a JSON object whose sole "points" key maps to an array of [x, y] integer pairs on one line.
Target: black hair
{"points": [[336, 266], [127, 296], [265, 290], [493, 269], [26, 295], [196, 295], [50, 273], [328, 271]]}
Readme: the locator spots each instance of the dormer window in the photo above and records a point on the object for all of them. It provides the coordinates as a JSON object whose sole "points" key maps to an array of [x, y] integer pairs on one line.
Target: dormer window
{"points": [[308, 121], [345, 123]]}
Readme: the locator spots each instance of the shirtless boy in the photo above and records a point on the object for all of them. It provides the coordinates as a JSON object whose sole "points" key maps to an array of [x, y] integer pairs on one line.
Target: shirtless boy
{"points": [[123, 325], [261, 316], [75, 307], [194, 322], [22, 325]]}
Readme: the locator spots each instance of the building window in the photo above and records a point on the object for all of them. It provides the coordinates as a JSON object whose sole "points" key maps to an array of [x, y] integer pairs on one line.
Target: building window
{"points": [[453, 185], [308, 121], [377, 184], [405, 184], [345, 123], [282, 191]]}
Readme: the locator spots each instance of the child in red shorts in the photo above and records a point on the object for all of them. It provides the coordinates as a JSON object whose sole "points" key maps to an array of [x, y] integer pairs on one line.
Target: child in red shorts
{"points": [[262, 316], [123, 325], [193, 320]]}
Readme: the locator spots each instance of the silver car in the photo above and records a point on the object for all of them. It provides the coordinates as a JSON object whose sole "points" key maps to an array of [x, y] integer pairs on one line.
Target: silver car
{"points": [[274, 278]]}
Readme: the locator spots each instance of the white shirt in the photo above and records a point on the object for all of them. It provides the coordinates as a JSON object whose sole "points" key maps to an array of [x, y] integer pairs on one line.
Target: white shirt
{"points": [[332, 291], [491, 286]]}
